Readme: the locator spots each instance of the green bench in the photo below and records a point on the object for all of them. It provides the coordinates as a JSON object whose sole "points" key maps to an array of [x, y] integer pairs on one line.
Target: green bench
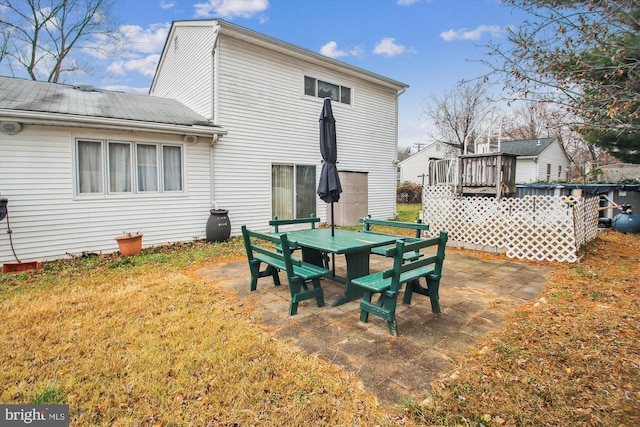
{"points": [[276, 223], [311, 220], [418, 226], [298, 272], [388, 283]]}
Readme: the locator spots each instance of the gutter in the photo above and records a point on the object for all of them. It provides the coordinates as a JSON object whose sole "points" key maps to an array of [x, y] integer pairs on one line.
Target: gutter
{"points": [[49, 119], [307, 55]]}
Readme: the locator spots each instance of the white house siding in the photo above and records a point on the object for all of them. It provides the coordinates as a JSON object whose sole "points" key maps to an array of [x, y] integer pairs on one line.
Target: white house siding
{"points": [[186, 73], [555, 156], [413, 167], [270, 121], [48, 221], [526, 170]]}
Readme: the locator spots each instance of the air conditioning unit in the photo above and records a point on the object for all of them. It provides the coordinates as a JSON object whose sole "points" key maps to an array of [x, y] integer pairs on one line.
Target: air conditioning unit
{"points": [[10, 128]]}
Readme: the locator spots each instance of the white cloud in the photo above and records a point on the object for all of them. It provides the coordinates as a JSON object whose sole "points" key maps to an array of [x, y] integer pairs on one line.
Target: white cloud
{"points": [[230, 8], [331, 50], [357, 51], [389, 47], [407, 2], [145, 66], [166, 4], [145, 40], [133, 42], [140, 47], [475, 34]]}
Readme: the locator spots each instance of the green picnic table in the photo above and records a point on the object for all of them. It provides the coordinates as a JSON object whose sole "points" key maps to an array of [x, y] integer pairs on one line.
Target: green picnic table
{"points": [[355, 246]]}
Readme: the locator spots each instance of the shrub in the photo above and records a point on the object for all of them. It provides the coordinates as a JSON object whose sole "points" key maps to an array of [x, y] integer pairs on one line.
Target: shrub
{"points": [[409, 192]]}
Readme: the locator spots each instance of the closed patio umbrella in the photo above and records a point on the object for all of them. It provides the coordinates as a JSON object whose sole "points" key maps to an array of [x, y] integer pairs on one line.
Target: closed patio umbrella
{"points": [[329, 187]]}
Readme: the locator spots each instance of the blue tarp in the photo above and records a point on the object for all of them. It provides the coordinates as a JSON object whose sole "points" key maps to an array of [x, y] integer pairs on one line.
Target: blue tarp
{"points": [[587, 188]]}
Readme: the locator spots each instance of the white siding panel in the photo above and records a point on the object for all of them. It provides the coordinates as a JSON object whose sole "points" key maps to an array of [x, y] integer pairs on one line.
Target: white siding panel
{"points": [[555, 156], [413, 167], [270, 121], [526, 171], [48, 222], [187, 71]]}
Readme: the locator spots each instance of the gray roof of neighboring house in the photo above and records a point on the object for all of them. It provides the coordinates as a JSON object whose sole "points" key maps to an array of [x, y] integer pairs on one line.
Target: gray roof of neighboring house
{"points": [[526, 147], [78, 100]]}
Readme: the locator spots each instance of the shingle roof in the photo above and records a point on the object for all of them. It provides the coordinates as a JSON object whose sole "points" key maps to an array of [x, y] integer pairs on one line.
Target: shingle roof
{"points": [[526, 147], [45, 97]]}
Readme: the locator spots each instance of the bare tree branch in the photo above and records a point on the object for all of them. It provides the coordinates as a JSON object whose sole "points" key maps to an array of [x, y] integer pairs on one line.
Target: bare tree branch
{"points": [[458, 113], [45, 33]]}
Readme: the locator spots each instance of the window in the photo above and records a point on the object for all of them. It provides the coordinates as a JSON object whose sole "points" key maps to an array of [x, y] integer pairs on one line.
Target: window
{"points": [[89, 167], [293, 191], [119, 167], [559, 171], [172, 168], [322, 89], [548, 172], [147, 164], [128, 167]]}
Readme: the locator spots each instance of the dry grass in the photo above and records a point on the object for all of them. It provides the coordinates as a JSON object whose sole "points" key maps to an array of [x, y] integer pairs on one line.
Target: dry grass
{"points": [[573, 358], [144, 341]]}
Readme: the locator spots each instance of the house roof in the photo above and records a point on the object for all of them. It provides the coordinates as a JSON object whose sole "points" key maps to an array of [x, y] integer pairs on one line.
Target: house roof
{"points": [[526, 147], [73, 102], [272, 43]]}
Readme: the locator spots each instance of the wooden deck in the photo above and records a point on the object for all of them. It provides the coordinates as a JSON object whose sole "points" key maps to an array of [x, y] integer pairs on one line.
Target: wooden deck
{"points": [[491, 174]]}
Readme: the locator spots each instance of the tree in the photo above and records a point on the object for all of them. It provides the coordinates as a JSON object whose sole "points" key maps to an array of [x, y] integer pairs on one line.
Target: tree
{"points": [[458, 113], [527, 121], [403, 153], [42, 34], [585, 56], [543, 120]]}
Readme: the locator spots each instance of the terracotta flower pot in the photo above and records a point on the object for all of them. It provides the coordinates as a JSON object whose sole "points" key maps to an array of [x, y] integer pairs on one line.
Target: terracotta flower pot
{"points": [[130, 244], [17, 267]]}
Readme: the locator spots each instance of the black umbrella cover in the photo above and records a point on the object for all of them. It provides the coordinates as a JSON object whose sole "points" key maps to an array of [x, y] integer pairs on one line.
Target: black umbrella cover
{"points": [[329, 187]]}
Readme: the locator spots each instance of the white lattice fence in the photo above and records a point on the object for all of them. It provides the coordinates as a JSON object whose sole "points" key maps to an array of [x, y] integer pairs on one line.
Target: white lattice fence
{"points": [[533, 227]]}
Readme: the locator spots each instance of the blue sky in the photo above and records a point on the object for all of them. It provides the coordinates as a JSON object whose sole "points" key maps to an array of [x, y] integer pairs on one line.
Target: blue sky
{"points": [[427, 44]]}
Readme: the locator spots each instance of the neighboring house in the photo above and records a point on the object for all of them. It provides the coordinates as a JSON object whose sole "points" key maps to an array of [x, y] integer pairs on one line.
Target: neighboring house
{"points": [[232, 124], [539, 160], [79, 166], [268, 95], [414, 168]]}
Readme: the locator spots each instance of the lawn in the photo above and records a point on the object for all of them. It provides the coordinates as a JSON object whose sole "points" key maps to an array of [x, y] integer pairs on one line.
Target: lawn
{"points": [[146, 341]]}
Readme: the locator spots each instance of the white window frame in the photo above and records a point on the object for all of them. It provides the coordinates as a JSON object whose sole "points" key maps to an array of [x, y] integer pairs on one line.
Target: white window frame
{"points": [[108, 164], [293, 194], [105, 173], [79, 173], [315, 94]]}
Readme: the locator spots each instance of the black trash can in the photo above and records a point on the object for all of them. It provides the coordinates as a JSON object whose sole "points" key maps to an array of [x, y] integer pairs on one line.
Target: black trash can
{"points": [[218, 225]]}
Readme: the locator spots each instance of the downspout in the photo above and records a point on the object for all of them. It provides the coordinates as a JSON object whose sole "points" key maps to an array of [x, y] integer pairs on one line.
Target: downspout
{"points": [[214, 141], [395, 156], [215, 117]]}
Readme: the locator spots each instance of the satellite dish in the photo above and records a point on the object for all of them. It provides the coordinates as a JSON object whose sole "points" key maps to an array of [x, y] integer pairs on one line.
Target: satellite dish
{"points": [[10, 128]]}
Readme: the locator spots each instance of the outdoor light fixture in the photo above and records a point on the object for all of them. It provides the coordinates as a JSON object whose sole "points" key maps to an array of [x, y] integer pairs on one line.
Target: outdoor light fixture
{"points": [[190, 139], [10, 128]]}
